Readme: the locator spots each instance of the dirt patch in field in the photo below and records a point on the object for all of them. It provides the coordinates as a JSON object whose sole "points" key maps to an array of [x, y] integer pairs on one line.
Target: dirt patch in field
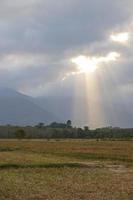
{"points": [[118, 168], [111, 167]]}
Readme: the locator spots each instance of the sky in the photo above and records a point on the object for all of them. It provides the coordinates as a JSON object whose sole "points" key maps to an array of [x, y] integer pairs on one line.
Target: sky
{"points": [[67, 46]]}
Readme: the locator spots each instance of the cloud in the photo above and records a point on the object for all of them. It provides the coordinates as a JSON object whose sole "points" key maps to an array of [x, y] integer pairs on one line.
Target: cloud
{"points": [[38, 39], [44, 26], [120, 37], [87, 64]]}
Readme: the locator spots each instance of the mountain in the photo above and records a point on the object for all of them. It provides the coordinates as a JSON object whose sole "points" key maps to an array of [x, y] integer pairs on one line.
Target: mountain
{"points": [[66, 108], [19, 109], [115, 113]]}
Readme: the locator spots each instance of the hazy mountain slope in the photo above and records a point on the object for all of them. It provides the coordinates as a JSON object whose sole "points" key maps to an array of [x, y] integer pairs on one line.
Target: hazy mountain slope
{"points": [[19, 109], [67, 108], [115, 113], [63, 107]]}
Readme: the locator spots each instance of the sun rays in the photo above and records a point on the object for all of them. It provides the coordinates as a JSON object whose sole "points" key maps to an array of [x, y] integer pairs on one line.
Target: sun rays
{"points": [[86, 68], [91, 72]]}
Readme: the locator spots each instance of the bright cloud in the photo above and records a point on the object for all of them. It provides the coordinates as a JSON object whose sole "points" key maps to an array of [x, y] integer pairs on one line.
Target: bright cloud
{"points": [[38, 38], [85, 64], [120, 37], [89, 64]]}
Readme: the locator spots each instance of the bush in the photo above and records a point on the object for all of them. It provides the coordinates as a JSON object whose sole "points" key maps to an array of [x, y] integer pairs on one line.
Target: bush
{"points": [[20, 134]]}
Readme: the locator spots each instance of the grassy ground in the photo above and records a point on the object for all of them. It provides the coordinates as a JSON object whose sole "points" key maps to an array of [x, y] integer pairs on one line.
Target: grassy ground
{"points": [[66, 170]]}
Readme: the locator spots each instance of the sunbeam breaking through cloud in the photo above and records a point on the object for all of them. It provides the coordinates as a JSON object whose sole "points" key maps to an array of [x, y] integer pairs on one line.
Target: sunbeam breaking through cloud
{"points": [[43, 43], [90, 64]]}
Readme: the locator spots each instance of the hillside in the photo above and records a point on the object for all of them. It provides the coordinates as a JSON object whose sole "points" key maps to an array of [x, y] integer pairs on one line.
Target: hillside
{"points": [[19, 109], [115, 113]]}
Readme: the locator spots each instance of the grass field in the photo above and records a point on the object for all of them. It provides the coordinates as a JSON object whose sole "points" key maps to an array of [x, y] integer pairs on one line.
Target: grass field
{"points": [[66, 170]]}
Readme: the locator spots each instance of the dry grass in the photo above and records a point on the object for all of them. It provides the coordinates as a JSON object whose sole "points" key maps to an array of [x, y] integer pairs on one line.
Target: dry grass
{"points": [[66, 170]]}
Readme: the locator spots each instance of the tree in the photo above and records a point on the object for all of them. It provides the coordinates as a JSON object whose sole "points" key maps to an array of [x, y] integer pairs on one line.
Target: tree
{"points": [[40, 125], [69, 124], [57, 125], [80, 133], [86, 131], [20, 134], [86, 128]]}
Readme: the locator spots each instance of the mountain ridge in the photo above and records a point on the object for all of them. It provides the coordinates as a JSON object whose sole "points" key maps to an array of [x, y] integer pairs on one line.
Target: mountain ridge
{"points": [[20, 109]]}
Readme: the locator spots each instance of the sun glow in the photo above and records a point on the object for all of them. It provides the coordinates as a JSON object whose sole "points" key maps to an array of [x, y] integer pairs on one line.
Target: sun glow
{"points": [[120, 37], [85, 64], [90, 64]]}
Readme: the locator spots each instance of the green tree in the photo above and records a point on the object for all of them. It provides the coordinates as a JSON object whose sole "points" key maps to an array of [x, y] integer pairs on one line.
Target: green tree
{"points": [[69, 124], [80, 133], [20, 134], [40, 125], [86, 128]]}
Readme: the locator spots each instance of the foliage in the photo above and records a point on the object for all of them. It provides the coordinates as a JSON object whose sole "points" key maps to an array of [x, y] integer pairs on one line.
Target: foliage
{"points": [[40, 125], [69, 124], [20, 134], [65, 130]]}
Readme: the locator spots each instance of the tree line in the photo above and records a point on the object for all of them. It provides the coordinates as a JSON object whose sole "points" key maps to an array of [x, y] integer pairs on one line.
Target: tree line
{"points": [[64, 130]]}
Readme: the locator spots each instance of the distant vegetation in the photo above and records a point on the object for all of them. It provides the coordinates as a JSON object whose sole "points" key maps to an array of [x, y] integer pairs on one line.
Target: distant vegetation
{"points": [[64, 130]]}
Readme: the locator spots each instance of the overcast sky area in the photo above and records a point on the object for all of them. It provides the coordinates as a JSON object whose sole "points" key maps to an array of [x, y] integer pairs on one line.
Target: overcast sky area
{"points": [[39, 39]]}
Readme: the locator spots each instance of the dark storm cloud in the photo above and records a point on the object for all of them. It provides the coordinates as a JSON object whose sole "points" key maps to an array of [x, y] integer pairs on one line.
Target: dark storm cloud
{"points": [[56, 30]]}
